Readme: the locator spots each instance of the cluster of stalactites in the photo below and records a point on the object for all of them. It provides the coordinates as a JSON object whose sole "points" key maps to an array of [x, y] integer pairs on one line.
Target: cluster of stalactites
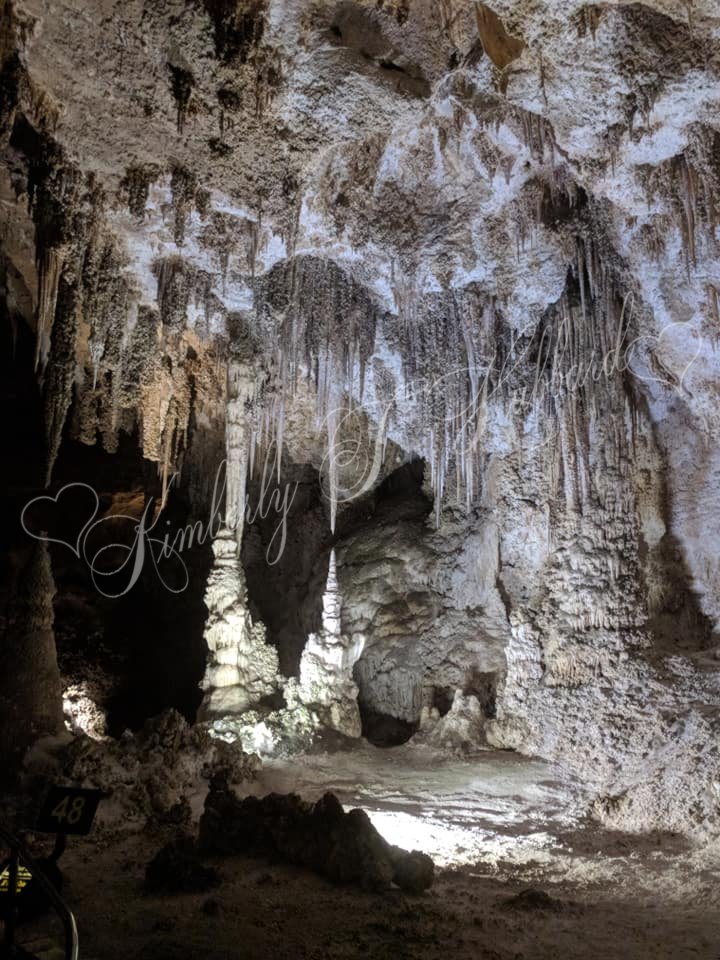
{"points": [[116, 365], [690, 182], [318, 326], [460, 361], [318, 322]]}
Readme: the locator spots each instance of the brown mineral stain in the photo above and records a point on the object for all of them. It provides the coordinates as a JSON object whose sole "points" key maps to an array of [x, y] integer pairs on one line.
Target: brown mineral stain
{"points": [[497, 42]]}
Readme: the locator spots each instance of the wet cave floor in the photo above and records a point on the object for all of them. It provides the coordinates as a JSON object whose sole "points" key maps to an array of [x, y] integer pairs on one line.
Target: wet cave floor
{"points": [[522, 873]]}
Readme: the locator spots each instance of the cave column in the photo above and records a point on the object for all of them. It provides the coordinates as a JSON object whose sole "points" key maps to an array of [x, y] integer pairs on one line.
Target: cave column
{"points": [[241, 668], [30, 687]]}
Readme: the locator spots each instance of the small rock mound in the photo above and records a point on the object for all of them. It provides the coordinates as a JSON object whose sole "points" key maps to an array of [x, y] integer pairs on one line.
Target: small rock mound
{"points": [[151, 773], [177, 868], [533, 899], [344, 847]]}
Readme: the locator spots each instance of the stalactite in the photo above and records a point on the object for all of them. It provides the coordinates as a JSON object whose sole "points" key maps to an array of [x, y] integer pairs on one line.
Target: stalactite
{"points": [[332, 459], [181, 83], [50, 266], [268, 77], [60, 373], [713, 303], [689, 5], [183, 186], [176, 279], [104, 302], [587, 19], [690, 182], [54, 188], [538, 135], [135, 186]]}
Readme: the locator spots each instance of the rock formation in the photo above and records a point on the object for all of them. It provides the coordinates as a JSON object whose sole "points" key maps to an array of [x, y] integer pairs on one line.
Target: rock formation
{"points": [[345, 847], [326, 664], [242, 668], [30, 691]]}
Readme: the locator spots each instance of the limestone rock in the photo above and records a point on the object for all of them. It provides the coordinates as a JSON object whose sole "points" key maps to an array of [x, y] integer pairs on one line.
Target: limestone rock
{"points": [[149, 774], [345, 847]]}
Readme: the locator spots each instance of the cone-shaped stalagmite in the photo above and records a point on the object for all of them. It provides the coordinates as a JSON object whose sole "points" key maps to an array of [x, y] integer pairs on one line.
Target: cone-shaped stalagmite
{"points": [[30, 691]]}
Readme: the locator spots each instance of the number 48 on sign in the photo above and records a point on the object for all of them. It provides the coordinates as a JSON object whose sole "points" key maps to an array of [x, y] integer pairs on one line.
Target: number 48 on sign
{"points": [[68, 810]]}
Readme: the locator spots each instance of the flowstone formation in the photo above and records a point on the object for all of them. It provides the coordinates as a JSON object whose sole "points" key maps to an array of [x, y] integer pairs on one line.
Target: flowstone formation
{"points": [[363, 234]]}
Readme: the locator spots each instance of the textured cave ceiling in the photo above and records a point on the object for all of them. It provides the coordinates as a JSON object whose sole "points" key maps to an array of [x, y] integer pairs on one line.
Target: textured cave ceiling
{"points": [[417, 197]]}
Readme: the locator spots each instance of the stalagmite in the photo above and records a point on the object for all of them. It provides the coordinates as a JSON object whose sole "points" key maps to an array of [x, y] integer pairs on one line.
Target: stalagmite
{"points": [[326, 683], [30, 689]]}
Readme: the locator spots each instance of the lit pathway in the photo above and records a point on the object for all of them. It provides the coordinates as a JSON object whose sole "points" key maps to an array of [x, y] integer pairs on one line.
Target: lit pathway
{"points": [[498, 815], [494, 807]]}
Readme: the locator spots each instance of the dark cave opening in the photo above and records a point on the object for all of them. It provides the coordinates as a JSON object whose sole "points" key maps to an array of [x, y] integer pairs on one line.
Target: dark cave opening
{"points": [[383, 730], [138, 653], [443, 699], [400, 499], [484, 687], [285, 587], [142, 651]]}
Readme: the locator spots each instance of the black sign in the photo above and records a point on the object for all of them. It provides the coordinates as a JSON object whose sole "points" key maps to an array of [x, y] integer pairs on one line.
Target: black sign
{"points": [[68, 810]]}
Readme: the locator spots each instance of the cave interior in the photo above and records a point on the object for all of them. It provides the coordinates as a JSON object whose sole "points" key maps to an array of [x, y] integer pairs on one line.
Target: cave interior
{"points": [[361, 493]]}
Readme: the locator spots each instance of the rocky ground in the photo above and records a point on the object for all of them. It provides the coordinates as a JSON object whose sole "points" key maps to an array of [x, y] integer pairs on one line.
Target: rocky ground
{"points": [[529, 876]]}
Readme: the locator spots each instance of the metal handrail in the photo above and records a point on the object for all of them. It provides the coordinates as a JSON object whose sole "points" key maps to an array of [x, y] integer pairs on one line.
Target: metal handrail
{"points": [[65, 913]]}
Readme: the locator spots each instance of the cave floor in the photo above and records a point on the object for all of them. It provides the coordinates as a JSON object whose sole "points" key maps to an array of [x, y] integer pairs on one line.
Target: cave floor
{"points": [[497, 825]]}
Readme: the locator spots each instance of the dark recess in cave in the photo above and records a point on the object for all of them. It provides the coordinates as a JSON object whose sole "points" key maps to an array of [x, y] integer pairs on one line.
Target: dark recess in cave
{"points": [[238, 27], [149, 639], [382, 730], [484, 687], [442, 699], [287, 595]]}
